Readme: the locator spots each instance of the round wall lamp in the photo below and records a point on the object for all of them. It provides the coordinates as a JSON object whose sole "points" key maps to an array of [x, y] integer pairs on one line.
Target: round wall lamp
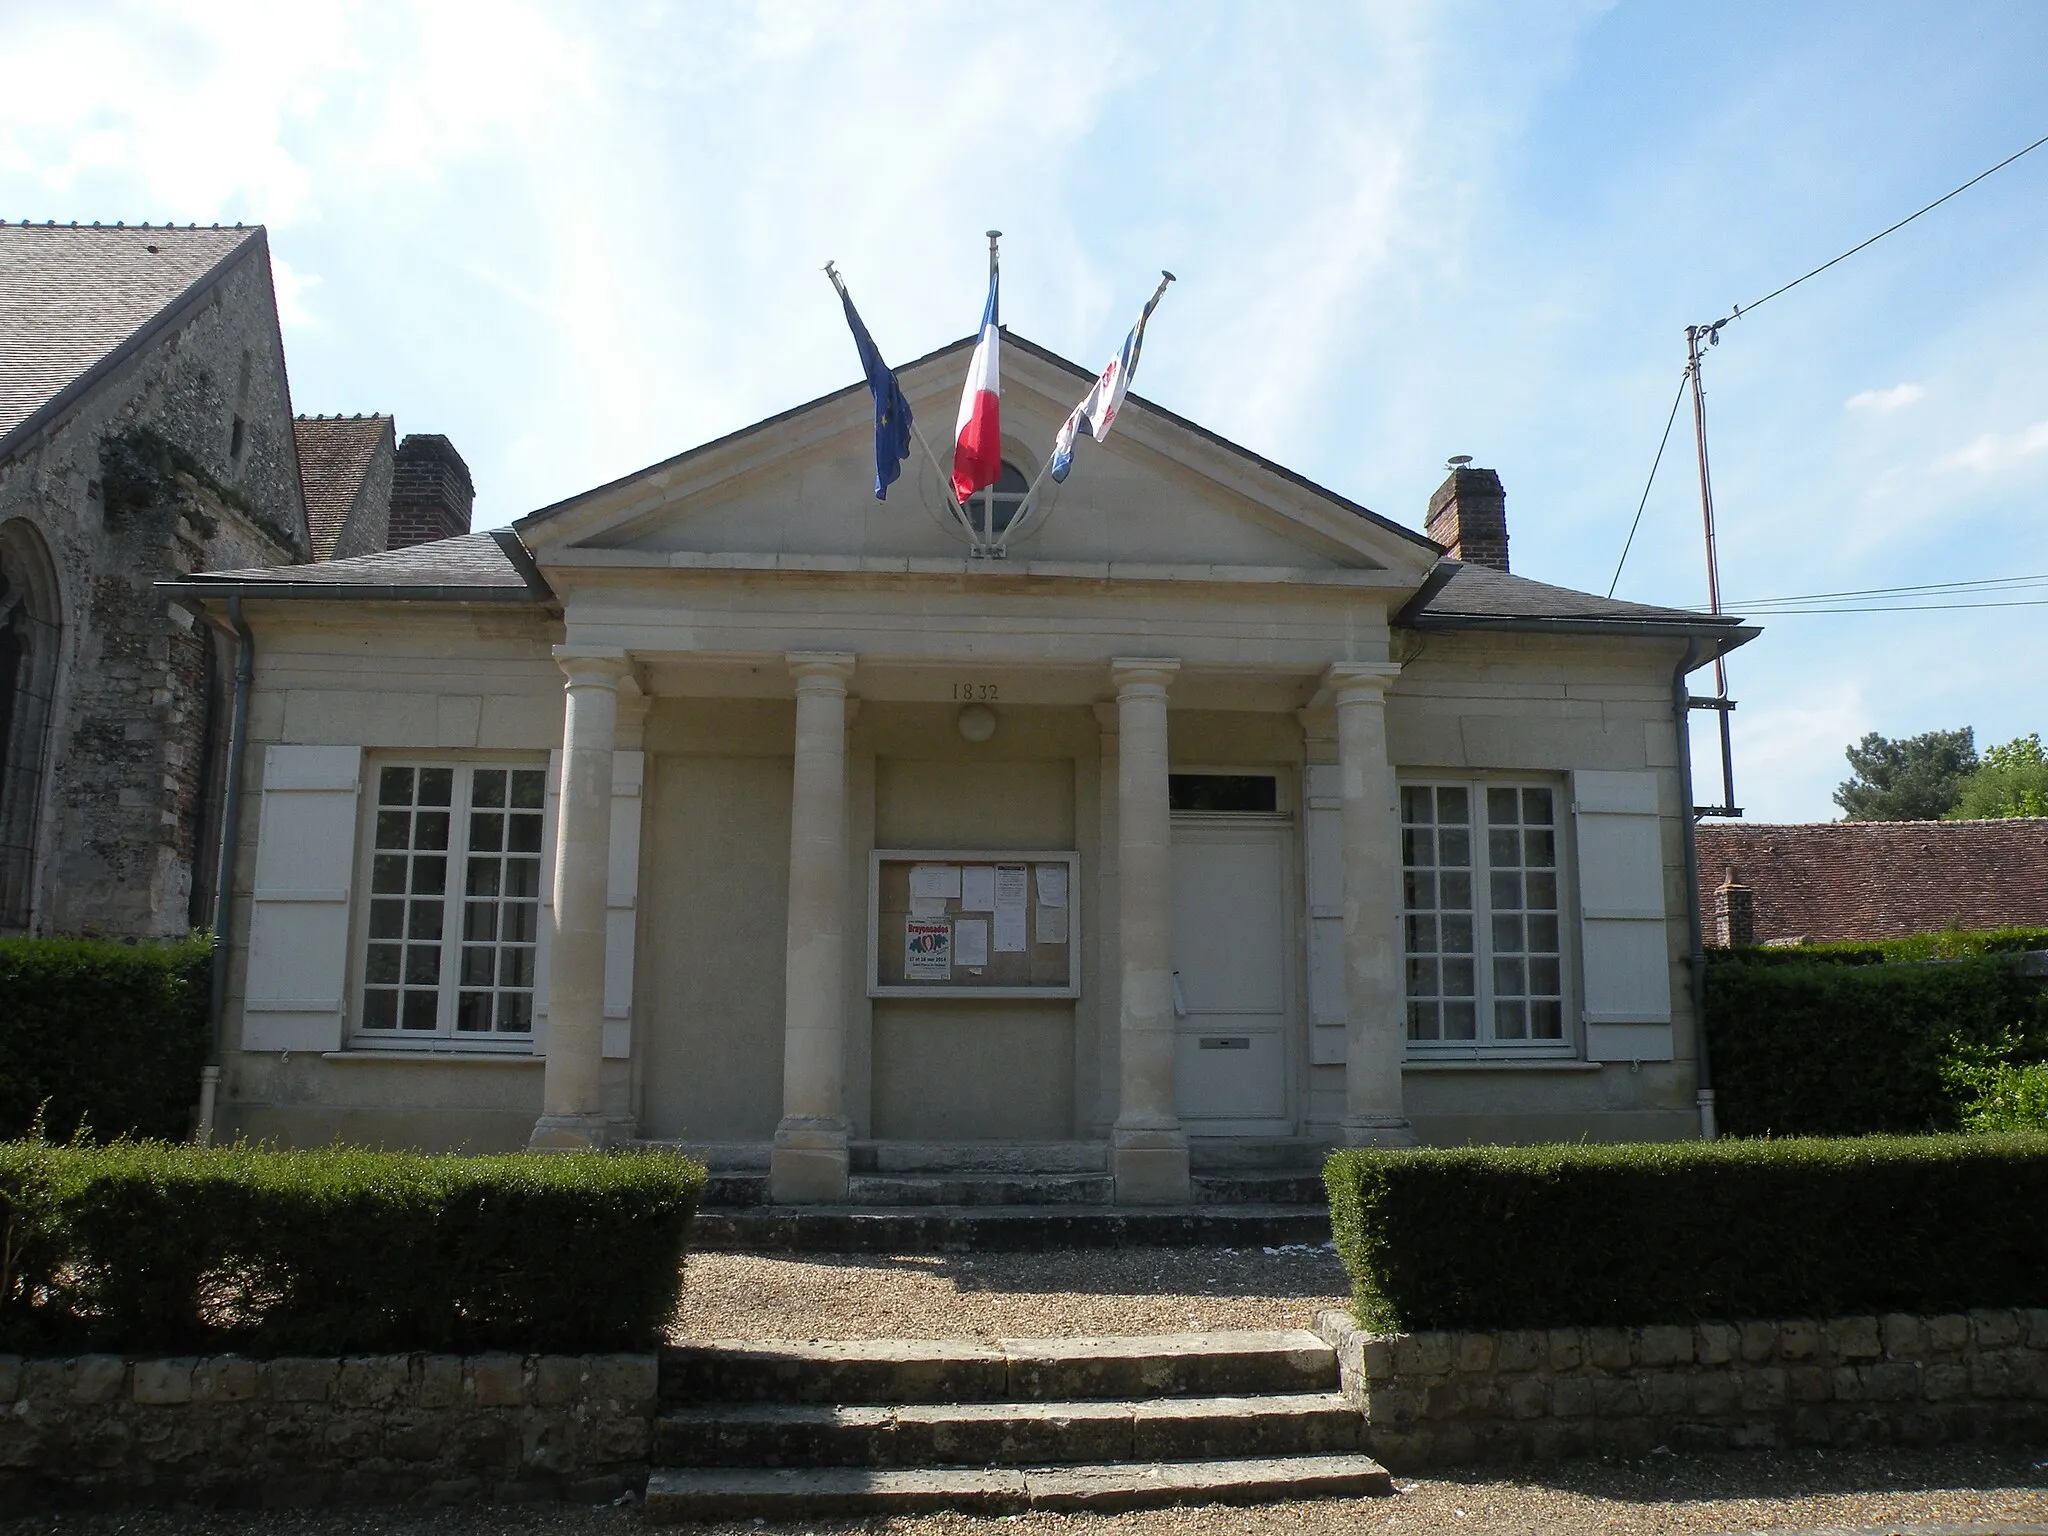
{"points": [[977, 722]]}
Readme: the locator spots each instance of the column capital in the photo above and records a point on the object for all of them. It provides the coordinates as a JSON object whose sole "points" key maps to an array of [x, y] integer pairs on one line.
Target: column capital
{"points": [[1136, 674], [820, 669], [588, 666], [1357, 682]]}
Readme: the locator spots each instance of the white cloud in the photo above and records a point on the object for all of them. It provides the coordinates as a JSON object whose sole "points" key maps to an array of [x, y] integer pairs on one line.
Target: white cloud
{"points": [[1995, 449], [1884, 401], [292, 287]]}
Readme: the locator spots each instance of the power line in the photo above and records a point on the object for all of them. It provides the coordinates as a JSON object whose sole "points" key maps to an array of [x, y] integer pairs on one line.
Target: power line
{"points": [[1753, 610], [1661, 442], [1928, 587], [1909, 218]]}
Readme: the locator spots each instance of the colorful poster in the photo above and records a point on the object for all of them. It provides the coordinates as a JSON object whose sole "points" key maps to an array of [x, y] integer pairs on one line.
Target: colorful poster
{"points": [[970, 943], [927, 950]]}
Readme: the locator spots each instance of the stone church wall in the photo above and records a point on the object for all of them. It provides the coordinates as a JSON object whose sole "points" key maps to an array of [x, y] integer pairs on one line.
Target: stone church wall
{"points": [[143, 482]]}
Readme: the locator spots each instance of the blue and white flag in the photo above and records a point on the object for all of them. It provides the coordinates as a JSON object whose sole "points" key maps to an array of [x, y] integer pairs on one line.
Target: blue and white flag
{"points": [[1100, 407], [892, 411]]}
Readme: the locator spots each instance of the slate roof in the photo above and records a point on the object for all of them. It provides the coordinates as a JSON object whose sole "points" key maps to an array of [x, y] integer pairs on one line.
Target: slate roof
{"points": [[1480, 592], [474, 567], [1880, 879], [70, 298], [334, 456]]}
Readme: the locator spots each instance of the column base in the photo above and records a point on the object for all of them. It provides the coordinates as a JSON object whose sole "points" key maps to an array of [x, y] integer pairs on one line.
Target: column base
{"points": [[571, 1133], [1379, 1131], [1150, 1167], [808, 1163]]}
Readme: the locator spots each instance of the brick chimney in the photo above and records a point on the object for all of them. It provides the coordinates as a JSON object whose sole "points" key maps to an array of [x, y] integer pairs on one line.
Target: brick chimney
{"points": [[431, 493], [1734, 914], [1468, 515]]}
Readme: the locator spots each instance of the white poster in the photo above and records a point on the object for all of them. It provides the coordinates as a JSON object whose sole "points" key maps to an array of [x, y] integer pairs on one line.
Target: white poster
{"points": [[1012, 885], [1052, 885], [927, 906], [941, 880], [970, 943], [927, 950], [1009, 927], [978, 888], [1052, 924]]}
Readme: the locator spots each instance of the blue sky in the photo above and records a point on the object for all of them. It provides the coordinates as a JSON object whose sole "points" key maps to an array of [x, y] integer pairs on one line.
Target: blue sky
{"points": [[578, 239]]}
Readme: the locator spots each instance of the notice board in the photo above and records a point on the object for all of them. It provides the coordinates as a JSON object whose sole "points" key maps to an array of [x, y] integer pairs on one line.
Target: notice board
{"points": [[982, 923]]}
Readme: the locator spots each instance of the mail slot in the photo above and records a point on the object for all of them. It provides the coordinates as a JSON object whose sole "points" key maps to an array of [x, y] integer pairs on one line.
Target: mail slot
{"points": [[1226, 1042]]}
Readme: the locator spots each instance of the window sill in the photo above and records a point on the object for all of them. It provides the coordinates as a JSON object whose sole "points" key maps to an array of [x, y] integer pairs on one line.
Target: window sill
{"points": [[1502, 1064], [479, 1058]]}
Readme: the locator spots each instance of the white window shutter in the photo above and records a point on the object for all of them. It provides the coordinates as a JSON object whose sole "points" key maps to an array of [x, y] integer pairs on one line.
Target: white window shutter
{"points": [[622, 902], [1624, 929], [1323, 820], [296, 985], [544, 940]]}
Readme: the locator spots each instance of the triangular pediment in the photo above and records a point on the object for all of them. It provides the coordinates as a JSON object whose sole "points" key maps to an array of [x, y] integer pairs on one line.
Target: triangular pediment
{"points": [[1160, 492]]}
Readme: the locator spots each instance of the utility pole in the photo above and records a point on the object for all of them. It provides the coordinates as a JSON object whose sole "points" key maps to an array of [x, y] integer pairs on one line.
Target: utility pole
{"points": [[1720, 703]]}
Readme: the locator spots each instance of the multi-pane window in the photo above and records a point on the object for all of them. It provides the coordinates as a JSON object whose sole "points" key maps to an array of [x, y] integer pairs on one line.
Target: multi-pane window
{"points": [[454, 916], [1484, 949]]}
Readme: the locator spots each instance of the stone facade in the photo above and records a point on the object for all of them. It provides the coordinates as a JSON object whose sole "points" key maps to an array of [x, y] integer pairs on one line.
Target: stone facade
{"points": [[1433, 1399], [374, 1428], [181, 458]]}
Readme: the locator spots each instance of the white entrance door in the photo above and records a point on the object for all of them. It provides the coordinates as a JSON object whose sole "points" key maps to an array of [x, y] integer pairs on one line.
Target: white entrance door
{"points": [[1230, 951]]}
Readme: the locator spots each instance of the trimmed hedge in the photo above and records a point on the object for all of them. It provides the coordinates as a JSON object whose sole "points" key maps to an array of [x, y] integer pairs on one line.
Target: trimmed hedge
{"points": [[110, 1037], [1949, 944], [147, 1247], [1823, 1048], [1679, 1232]]}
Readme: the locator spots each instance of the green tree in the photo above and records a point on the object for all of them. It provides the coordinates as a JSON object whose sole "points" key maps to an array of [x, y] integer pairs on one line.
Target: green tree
{"points": [[1911, 778], [2010, 780]]}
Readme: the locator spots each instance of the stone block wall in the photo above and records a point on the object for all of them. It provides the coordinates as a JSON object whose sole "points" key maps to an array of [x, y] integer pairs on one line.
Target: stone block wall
{"points": [[1440, 1398], [374, 1428]]}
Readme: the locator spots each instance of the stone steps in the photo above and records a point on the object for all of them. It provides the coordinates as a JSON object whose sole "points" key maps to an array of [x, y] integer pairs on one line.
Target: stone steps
{"points": [[1219, 1364], [1007, 1434], [783, 1493], [1288, 1187], [1004, 1228], [905, 1189], [781, 1430]]}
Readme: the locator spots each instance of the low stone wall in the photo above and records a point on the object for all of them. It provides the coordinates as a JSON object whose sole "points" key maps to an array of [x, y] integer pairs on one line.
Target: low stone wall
{"points": [[377, 1428], [1439, 1398]]}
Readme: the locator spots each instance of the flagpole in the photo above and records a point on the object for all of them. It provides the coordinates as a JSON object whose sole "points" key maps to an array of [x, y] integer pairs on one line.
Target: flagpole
{"points": [[945, 481], [1030, 502], [988, 541]]}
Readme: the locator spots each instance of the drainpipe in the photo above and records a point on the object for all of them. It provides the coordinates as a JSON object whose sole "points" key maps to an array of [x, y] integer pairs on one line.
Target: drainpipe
{"points": [[1681, 717], [224, 873]]}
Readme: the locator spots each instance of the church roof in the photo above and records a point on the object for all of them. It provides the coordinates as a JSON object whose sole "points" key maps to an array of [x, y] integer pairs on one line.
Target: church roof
{"points": [[335, 453], [1475, 594], [74, 302]]}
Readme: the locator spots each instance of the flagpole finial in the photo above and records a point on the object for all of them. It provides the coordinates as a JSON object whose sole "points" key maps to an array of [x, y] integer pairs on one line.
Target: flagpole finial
{"points": [[994, 235]]}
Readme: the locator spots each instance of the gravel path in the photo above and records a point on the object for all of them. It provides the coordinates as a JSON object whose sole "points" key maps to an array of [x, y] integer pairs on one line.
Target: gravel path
{"points": [[1665, 1496], [1006, 1295]]}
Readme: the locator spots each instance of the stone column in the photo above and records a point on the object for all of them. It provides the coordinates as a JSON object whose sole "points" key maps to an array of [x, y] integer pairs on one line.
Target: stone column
{"points": [[808, 1163], [1148, 1148], [1375, 1038], [572, 1105]]}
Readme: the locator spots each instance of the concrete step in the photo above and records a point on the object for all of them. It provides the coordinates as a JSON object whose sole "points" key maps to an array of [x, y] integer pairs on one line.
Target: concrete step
{"points": [[979, 1189], [1006, 1434], [952, 1371], [723, 1493], [1253, 1154], [1275, 1187], [1003, 1228], [980, 1156], [728, 1188]]}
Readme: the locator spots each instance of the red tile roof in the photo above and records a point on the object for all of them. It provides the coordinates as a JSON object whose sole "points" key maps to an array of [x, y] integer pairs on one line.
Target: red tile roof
{"points": [[1880, 879]]}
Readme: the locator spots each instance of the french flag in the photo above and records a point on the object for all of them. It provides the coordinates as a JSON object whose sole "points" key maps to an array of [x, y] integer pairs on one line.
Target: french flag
{"points": [[978, 436]]}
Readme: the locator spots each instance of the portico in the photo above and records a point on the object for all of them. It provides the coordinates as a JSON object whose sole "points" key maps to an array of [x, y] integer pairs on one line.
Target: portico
{"points": [[748, 813]]}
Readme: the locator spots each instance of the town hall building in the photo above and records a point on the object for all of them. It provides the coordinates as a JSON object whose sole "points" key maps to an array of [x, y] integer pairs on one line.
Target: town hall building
{"points": [[728, 806]]}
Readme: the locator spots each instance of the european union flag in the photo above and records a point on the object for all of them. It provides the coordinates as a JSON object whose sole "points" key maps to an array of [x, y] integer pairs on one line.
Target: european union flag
{"points": [[892, 411]]}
